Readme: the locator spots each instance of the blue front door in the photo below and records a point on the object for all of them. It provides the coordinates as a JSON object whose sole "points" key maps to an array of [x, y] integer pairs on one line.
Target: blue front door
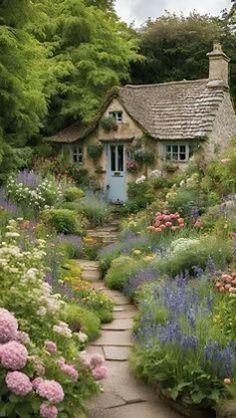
{"points": [[116, 179]]}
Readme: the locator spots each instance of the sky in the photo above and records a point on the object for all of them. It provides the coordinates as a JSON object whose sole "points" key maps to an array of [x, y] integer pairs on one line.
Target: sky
{"points": [[140, 10]]}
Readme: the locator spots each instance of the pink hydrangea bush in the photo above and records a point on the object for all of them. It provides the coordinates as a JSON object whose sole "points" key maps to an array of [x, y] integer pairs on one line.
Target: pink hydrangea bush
{"points": [[8, 326], [48, 411], [50, 390], [13, 355], [44, 360], [18, 383], [95, 362]]}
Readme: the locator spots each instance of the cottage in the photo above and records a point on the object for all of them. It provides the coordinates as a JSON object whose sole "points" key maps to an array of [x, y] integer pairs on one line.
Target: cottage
{"points": [[160, 126]]}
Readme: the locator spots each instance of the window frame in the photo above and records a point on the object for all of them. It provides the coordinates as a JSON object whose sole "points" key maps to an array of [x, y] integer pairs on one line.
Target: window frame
{"points": [[115, 115], [173, 149], [77, 154]]}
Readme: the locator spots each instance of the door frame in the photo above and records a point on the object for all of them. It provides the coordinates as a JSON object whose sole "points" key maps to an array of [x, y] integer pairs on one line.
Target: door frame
{"points": [[109, 171]]}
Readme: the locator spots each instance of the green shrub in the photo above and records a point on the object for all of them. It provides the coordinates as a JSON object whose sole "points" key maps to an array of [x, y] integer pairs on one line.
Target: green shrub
{"points": [[187, 253], [95, 210], [121, 270], [63, 220], [81, 319], [183, 200], [139, 196], [106, 259], [73, 193]]}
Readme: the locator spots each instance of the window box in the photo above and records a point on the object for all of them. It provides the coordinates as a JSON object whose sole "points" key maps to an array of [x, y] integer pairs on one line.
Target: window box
{"points": [[109, 123]]}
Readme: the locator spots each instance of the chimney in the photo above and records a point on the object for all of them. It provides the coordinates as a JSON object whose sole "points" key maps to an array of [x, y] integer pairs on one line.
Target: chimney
{"points": [[218, 64]]}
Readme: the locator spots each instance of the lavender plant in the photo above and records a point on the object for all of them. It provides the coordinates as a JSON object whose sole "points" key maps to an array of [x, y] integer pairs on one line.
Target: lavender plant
{"points": [[180, 344]]}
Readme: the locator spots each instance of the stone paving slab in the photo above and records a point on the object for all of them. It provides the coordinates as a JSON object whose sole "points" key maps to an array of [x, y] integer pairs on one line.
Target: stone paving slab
{"points": [[122, 382], [124, 314], [119, 325], [114, 338], [105, 402], [95, 350], [88, 263], [116, 353], [117, 298], [91, 275], [138, 410], [125, 308]]}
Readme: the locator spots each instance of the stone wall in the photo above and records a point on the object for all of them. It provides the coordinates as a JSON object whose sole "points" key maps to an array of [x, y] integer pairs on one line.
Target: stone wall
{"points": [[224, 129]]}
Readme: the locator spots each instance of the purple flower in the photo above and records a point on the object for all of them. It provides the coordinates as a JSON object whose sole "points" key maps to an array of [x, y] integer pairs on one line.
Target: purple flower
{"points": [[194, 213], [29, 179], [198, 271], [220, 360], [190, 342], [147, 275]]}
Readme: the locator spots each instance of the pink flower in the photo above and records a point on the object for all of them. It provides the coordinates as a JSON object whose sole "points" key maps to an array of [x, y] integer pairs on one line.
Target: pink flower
{"points": [[96, 360], [51, 347], [100, 373], [61, 361], [13, 355], [36, 382], [85, 358], [48, 411], [18, 383], [8, 326], [70, 370], [51, 390]]}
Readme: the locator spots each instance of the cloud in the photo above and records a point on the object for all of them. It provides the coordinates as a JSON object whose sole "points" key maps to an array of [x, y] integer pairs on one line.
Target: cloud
{"points": [[140, 10]]}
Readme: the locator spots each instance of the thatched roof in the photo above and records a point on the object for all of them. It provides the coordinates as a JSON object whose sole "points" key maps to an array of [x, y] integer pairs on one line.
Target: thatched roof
{"points": [[69, 135], [166, 111]]}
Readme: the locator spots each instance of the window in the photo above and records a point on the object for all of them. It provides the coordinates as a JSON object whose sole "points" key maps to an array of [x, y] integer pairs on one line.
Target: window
{"points": [[178, 153], [77, 154], [118, 116], [117, 158]]}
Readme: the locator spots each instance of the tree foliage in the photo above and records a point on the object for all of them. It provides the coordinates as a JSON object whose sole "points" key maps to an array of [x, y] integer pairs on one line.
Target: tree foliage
{"points": [[58, 59], [175, 48], [93, 51]]}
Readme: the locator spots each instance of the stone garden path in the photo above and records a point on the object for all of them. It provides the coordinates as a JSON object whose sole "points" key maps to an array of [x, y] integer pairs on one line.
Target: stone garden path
{"points": [[124, 396]]}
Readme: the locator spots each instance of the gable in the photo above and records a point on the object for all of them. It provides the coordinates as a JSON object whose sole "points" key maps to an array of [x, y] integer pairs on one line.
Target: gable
{"points": [[126, 130]]}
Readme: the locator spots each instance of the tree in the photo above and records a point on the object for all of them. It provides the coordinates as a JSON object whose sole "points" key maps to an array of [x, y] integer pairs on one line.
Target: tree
{"points": [[175, 48], [92, 53], [22, 98]]}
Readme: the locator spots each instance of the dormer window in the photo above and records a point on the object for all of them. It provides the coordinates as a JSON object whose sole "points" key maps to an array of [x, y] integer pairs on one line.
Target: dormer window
{"points": [[77, 154], [117, 115]]}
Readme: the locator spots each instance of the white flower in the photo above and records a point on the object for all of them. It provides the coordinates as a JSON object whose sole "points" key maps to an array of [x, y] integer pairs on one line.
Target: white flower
{"points": [[82, 337], [64, 331], [155, 174], [12, 234], [41, 311], [140, 179]]}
